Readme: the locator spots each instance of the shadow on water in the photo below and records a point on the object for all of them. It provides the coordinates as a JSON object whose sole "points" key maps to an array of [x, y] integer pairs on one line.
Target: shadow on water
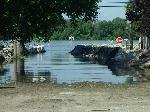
{"points": [[3, 70], [133, 75]]}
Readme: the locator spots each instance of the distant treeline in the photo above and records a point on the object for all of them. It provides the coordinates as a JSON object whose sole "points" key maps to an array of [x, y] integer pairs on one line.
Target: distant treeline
{"points": [[99, 30]]}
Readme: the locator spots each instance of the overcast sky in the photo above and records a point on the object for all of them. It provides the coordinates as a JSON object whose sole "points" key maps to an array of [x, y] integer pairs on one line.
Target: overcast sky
{"points": [[109, 13]]}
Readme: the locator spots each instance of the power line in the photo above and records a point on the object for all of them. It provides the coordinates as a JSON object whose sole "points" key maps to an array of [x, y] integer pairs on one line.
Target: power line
{"points": [[110, 6]]}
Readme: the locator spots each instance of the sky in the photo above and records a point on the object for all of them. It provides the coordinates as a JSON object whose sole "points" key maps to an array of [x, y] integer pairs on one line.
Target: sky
{"points": [[109, 13]]}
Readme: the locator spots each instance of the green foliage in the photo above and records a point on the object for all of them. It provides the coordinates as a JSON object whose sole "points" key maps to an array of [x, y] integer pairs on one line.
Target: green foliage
{"points": [[43, 20], [22, 19], [133, 12], [88, 30], [137, 11], [144, 18]]}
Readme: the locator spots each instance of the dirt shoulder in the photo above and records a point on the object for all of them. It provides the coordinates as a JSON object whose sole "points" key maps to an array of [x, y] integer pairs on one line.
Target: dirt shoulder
{"points": [[75, 98]]}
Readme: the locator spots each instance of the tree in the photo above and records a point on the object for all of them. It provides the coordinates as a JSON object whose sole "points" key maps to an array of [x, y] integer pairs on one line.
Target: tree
{"points": [[119, 26], [145, 16], [139, 11], [141, 15], [22, 19], [133, 12], [89, 30], [133, 15]]}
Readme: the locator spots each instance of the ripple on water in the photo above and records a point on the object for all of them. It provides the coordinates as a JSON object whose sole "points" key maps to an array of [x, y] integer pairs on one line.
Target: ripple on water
{"points": [[59, 66]]}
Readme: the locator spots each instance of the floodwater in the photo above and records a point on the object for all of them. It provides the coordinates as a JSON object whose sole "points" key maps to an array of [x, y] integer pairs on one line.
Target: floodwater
{"points": [[57, 65]]}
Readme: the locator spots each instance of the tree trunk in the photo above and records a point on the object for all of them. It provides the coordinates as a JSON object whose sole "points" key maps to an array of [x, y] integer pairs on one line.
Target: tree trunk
{"points": [[146, 43], [19, 72], [17, 49], [22, 47], [142, 43], [131, 43]]}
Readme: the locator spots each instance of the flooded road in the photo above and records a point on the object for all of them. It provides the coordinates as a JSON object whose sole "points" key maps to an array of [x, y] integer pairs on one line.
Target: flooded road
{"points": [[57, 65]]}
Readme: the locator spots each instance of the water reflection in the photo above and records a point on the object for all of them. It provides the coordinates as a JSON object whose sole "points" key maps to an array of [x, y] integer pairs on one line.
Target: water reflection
{"points": [[22, 74], [135, 75], [3, 70], [57, 65]]}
